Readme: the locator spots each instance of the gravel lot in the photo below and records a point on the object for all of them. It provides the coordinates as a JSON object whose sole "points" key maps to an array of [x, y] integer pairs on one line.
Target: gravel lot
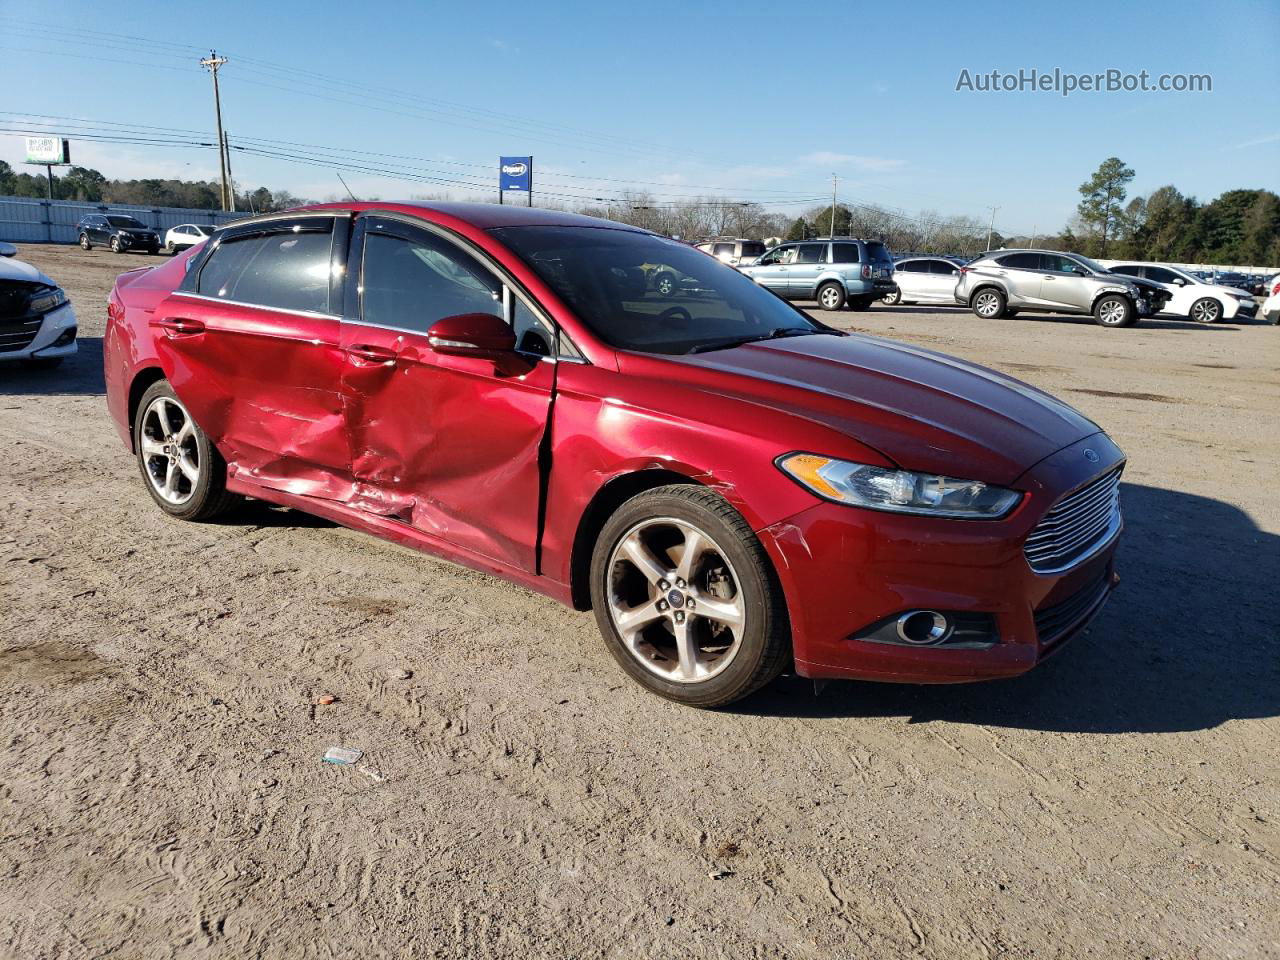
{"points": [[162, 794]]}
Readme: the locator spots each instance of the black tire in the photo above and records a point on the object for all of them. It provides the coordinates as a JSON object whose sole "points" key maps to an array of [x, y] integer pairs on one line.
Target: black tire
{"points": [[989, 303], [831, 296], [892, 299], [84, 242], [764, 649], [115, 245], [43, 363], [208, 497], [1114, 311], [1205, 310], [169, 248], [666, 283], [859, 303], [152, 251], [1010, 313]]}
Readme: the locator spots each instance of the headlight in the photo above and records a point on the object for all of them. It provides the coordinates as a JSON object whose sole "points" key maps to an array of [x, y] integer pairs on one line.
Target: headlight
{"points": [[898, 491], [49, 300]]}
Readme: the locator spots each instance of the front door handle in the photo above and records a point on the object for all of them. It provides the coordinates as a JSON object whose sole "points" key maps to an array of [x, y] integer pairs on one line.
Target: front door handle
{"points": [[373, 354], [1047, 277], [179, 325]]}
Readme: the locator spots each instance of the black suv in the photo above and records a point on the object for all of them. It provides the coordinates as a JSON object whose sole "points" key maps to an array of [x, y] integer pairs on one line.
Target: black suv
{"points": [[118, 231]]}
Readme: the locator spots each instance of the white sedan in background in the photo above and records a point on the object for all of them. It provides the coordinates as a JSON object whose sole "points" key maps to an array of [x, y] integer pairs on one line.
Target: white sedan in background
{"points": [[1192, 297], [924, 280], [37, 324], [186, 235]]}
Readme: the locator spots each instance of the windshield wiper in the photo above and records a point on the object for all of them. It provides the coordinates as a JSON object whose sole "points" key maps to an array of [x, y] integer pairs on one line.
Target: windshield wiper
{"points": [[773, 334]]}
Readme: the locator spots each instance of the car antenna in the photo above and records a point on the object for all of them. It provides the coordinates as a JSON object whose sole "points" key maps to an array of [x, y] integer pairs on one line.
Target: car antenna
{"points": [[344, 183]]}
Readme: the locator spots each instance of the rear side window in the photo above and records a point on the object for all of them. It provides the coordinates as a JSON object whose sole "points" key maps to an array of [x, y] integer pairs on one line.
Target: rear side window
{"points": [[912, 266], [723, 249], [812, 253], [846, 253], [1020, 261], [1131, 271], [287, 269], [944, 267], [752, 249]]}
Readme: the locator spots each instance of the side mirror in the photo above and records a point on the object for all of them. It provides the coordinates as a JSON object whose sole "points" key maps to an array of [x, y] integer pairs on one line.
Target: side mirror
{"points": [[1179, 281], [7, 249], [472, 335]]}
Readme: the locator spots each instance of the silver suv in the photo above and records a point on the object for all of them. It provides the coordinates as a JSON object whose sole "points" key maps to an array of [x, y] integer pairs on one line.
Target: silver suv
{"points": [[833, 272], [1003, 282]]}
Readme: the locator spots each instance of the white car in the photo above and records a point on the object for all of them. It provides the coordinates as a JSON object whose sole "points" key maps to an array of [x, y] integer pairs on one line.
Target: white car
{"points": [[37, 324], [186, 235], [924, 280], [1192, 297], [1271, 308]]}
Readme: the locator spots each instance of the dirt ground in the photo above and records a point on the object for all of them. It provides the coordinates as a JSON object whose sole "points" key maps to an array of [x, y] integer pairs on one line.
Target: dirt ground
{"points": [[162, 792]]}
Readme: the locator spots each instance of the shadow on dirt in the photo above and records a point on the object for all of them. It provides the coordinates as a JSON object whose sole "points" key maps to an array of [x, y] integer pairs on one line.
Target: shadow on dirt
{"points": [[78, 376], [1187, 642]]}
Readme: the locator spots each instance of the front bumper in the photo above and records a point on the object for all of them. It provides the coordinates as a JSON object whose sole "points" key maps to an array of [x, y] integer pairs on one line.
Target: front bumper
{"points": [[1245, 308], [56, 337], [130, 242], [845, 569]]}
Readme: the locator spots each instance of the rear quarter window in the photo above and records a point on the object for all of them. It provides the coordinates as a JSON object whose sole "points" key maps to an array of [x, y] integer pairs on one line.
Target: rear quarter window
{"points": [[878, 252], [283, 269]]}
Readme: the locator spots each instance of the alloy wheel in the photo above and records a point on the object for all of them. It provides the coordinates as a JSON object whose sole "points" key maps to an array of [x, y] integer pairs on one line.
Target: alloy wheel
{"points": [[1206, 311], [169, 450], [830, 298], [1112, 313], [987, 304], [674, 599]]}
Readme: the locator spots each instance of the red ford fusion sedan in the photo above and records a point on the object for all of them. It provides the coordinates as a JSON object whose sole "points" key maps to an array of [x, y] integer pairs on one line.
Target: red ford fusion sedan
{"points": [[735, 489]]}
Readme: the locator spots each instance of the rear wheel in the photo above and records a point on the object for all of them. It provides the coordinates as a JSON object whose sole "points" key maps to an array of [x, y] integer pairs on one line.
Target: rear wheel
{"points": [[1206, 310], [892, 299], [182, 469], [686, 599], [1114, 311], [115, 245], [831, 296], [989, 303]]}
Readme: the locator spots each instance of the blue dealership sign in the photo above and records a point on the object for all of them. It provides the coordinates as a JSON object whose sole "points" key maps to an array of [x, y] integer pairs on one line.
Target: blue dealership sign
{"points": [[515, 173]]}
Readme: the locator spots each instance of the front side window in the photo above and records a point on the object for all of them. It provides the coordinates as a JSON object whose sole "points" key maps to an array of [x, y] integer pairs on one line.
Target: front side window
{"points": [[1161, 275], [285, 267], [1058, 264], [599, 273], [777, 255], [943, 267], [411, 278], [812, 253]]}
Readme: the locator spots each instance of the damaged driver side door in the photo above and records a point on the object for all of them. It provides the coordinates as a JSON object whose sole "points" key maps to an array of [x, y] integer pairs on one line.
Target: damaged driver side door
{"points": [[450, 445]]}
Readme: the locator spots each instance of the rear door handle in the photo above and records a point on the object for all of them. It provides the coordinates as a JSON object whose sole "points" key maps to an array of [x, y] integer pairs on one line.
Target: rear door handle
{"points": [[373, 354], [179, 325]]}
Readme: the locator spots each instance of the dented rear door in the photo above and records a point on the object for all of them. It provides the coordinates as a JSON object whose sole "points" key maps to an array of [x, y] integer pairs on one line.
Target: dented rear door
{"points": [[250, 344]]}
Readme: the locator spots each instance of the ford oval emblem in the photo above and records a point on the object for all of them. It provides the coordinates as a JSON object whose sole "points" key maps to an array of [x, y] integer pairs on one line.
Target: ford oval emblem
{"points": [[1091, 456], [515, 169]]}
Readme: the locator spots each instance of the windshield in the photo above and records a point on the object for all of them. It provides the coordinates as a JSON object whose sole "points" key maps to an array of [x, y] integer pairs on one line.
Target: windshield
{"points": [[207, 231], [1091, 264], [641, 292], [125, 222]]}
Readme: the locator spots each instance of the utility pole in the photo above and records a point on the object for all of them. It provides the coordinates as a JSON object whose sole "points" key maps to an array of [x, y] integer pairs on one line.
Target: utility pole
{"points": [[231, 181], [834, 180], [992, 226], [212, 63]]}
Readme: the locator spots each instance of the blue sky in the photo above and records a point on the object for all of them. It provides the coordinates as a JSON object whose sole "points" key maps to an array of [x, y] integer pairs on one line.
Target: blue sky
{"points": [[764, 100]]}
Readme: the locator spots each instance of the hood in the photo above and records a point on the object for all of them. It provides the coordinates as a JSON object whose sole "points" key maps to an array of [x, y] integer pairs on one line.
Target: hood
{"points": [[1236, 291], [923, 410], [11, 269], [136, 230]]}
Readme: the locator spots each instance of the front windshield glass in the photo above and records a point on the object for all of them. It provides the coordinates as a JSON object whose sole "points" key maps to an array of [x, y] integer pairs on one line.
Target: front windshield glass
{"points": [[640, 292], [207, 231], [1091, 264]]}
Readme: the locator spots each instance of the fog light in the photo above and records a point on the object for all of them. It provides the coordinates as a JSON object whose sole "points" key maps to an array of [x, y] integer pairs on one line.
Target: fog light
{"points": [[65, 337], [923, 627]]}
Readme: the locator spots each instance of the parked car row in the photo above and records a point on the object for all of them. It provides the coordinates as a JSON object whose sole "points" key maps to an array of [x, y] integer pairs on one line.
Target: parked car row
{"points": [[122, 233]]}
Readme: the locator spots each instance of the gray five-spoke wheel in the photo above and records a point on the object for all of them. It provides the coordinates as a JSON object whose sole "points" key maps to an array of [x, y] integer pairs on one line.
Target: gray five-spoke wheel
{"points": [[675, 600], [986, 304], [829, 297], [169, 450]]}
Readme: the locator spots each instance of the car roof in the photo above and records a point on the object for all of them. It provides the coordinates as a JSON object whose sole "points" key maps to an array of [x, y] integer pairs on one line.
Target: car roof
{"points": [[484, 216]]}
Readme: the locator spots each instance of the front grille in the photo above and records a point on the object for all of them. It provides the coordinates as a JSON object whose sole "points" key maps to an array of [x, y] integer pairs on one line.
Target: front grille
{"points": [[18, 334], [1075, 525], [1053, 623], [15, 299]]}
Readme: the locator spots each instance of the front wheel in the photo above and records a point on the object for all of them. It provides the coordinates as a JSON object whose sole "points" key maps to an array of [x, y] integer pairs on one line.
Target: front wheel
{"points": [[1114, 311], [84, 242], [115, 245], [892, 299], [182, 469], [1206, 310], [685, 597], [831, 296]]}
